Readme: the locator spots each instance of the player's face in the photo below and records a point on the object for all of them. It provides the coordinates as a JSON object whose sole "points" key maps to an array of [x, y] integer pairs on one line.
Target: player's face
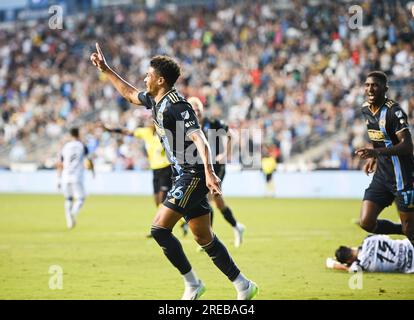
{"points": [[152, 82], [374, 90]]}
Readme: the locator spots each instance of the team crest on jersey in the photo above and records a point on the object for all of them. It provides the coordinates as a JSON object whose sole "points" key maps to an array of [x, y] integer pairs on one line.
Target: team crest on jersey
{"points": [[399, 114], [160, 131], [185, 115], [160, 116]]}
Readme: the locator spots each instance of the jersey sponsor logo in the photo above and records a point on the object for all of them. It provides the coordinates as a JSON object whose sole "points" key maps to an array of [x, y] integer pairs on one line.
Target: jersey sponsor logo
{"points": [[189, 124], [185, 115], [376, 135]]}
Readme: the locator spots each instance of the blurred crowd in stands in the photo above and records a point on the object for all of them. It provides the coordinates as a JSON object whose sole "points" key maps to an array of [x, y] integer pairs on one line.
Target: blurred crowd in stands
{"points": [[293, 70]]}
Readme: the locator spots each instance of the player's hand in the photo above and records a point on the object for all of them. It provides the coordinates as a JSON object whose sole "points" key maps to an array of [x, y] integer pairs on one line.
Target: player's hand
{"points": [[98, 59], [213, 183], [330, 263], [370, 166], [366, 153]]}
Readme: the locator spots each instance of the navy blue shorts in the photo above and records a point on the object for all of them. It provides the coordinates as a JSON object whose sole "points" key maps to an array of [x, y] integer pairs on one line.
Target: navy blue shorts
{"points": [[188, 196], [384, 194]]}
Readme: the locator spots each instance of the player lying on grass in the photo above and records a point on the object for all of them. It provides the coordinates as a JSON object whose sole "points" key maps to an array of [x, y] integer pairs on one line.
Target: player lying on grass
{"points": [[377, 253]]}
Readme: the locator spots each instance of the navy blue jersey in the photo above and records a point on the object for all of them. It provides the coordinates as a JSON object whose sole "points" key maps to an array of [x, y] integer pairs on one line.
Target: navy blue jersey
{"points": [[174, 120], [383, 126], [215, 131]]}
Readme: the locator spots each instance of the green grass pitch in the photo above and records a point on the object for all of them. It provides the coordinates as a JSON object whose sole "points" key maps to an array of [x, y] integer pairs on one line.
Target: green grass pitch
{"points": [[108, 257]]}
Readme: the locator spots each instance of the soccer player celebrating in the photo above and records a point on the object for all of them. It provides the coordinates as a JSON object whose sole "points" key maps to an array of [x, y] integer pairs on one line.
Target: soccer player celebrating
{"points": [[180, 133], [70, 175], [216, 144], [391, 160], [377, 253]]}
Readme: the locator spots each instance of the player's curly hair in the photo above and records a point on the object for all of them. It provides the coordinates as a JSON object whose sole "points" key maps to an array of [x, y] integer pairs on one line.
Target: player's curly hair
{"points": [[167, 68], [381, 76], [343, 254]]}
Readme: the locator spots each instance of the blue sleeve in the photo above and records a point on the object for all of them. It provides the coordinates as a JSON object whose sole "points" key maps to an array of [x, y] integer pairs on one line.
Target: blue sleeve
{"points": [[146, 100]]}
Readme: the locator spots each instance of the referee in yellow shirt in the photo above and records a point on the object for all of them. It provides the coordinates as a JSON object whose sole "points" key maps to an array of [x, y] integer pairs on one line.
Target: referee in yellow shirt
{"points": [[161, 168]]}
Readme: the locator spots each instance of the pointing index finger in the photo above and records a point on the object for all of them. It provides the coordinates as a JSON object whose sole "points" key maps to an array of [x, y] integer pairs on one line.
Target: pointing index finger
{"points": [[98, 48]]}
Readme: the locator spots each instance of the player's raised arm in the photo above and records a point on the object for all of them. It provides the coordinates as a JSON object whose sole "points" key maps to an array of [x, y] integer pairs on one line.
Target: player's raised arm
{"points": [[127, 90], [122, 131]]}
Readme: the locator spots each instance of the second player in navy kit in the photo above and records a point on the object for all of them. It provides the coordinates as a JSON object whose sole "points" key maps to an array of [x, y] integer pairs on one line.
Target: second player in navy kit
{"points": [[217, 132], [391, 160]]}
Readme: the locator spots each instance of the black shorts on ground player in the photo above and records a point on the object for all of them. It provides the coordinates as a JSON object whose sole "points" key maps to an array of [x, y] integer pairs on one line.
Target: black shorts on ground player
{"points": [[188, 196], [162, 179], [384, 194]]}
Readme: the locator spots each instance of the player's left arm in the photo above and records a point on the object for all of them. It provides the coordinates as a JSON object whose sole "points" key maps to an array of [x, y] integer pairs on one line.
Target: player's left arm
{"points": [[333, 264], [59, 168], [88, 161]]}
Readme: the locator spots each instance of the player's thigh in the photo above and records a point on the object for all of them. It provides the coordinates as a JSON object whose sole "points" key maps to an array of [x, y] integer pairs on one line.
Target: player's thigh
{"points": [[166, 217], [407, 222], [201, 228], [78, 190], [377, 196], [370, 211]]}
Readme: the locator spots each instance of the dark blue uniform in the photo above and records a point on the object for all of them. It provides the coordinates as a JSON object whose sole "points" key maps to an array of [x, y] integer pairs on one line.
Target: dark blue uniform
{"points": [[394, 177], [215, 130], [174, 120]]}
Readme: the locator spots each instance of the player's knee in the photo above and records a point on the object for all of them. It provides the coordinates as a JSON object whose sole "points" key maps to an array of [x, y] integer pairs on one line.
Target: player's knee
{"points": [[160, 234], [203, 239]]}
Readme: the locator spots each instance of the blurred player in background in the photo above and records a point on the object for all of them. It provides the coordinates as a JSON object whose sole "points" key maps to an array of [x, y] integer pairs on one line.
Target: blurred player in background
{"points": [[220, 152], [70, 167], [178, 127], [269, 166], [391, 159], [377, 253], [159, 164]]}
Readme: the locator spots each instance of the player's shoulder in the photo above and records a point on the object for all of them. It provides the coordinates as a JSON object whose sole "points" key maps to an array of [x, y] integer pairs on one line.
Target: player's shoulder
{"points": [[176, 98], [146, 99], [365, 106], [391, 104]]}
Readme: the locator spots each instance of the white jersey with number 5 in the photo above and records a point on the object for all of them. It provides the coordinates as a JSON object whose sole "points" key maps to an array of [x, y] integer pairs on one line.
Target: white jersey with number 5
{"points": [[379, 253], [72, 156]]}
